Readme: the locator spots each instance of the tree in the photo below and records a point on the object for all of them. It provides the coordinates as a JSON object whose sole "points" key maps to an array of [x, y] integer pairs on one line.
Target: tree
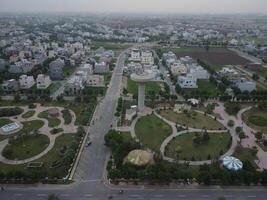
{"points": [[230, 123], [255, 77]]}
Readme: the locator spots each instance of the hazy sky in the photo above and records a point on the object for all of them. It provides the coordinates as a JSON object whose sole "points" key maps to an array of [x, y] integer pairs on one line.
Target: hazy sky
{"points": [[172, 6]]}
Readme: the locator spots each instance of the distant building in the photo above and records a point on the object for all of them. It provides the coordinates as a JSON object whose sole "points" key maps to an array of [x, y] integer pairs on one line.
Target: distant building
{"points": [[74, 86], [95, 80], [26, 82], [88, 68], [43, 81], [245, 85], [56, 69], [199, 72], [23, 66], [188, 81], [177, 68], [135, 55], [10, 86], [147, 58], [101, 68], [2, 65]]}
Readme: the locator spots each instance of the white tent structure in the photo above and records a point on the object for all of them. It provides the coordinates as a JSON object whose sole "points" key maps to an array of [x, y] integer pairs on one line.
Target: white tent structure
{"points": [[232, 163]]}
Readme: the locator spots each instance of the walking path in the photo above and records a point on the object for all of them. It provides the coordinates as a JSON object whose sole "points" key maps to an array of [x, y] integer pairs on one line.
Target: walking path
{"points": [[250, 140], [175, 134], [45, 130]]}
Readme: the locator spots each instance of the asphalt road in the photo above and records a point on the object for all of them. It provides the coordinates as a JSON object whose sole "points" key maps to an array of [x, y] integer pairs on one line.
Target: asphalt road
{"points": [[89, 175]]}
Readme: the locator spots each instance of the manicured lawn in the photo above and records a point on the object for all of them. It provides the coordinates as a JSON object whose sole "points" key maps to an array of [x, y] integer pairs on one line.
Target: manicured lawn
{"points": [[151, 87], [218, 142], [67, 116], [256, 119], [151, 131], [29, 126], [245, 154], [193, 120], [26, 147], [28, 114], [54, 155], [4, 121], [52, 121]]}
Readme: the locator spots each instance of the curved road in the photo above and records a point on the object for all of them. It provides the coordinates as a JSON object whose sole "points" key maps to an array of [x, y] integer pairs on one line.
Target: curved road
{"points": [[89, 175]]}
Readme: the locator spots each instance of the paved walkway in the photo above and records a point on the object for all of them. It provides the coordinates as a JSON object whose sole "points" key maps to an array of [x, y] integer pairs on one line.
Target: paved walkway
{"points": [[250, 140], [175, 134], [45, 130]]}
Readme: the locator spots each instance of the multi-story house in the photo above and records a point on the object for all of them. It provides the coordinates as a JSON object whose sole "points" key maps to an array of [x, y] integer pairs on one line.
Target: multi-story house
{"points": [[26, 82], [56, 69], [188, 81], [43, 81]]}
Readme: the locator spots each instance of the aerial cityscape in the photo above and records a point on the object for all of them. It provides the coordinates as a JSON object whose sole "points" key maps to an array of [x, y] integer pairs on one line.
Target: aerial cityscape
{"points": [[133, 100]]}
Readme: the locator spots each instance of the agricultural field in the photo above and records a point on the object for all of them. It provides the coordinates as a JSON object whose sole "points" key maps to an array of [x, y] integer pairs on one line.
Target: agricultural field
{"points": [[215, 56]]}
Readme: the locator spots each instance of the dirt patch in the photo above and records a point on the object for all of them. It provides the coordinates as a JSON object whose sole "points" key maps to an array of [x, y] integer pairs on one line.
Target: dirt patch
{"points": [[223, 57]]}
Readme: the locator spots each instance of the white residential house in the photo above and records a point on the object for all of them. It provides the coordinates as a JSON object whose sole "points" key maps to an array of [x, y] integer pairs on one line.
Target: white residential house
{"points": [[188, 81], [199, 72], [88, 68], [135, 55], [26, 82], [101, 68], [177, 68], [74, 86], [133, 68], [95, 80], [43, 81], [23, 66], [245, 85], [147, 58]]}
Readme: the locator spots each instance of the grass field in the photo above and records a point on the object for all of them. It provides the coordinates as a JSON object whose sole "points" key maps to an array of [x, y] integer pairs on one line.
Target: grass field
{"points": [[194, 120], [52, 121], [67, 116], [62, 141], [151, 131], [256, 119], [4, 121], [29, 126], [218, 142], [205, 87], [262, 72], [109, 46], [26, 147], [28, 114], [151, 87]]}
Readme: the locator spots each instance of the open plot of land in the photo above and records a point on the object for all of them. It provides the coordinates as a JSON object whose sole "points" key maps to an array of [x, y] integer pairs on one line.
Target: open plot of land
{"points": [[215, 56], [193, 119], [151, 87], [25, 147], [256, 119], [205, 88], [151, 131], [218, 143]]}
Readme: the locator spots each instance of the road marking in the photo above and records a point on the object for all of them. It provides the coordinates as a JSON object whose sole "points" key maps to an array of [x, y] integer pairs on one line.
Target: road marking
{"points": [[252, 196], [227, 196], [88, 195], [158, 195], [181, 196], [205, 196], [134, 196], [64, 195], [41, 195], [18, 194]]}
